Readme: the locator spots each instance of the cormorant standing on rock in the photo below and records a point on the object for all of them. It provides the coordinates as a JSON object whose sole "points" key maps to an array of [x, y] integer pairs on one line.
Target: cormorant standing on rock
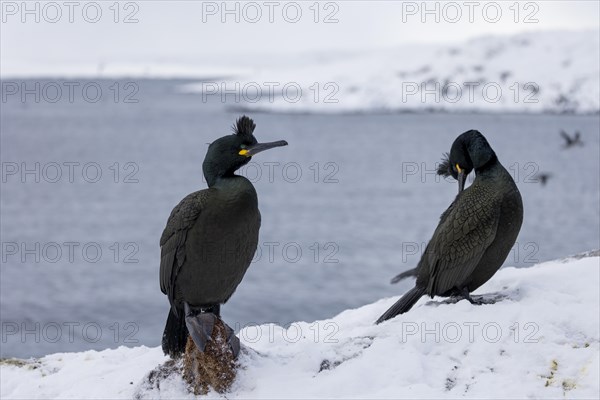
{"points": [[475, 233], [209, 241]]}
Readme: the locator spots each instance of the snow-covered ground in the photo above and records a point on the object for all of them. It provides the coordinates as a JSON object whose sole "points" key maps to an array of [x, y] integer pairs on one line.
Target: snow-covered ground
{"points": [[540, 341], [555, 71]]}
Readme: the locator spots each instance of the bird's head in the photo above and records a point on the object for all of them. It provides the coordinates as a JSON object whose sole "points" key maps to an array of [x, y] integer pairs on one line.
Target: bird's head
{"points": [[470, 151], [229, 153]]}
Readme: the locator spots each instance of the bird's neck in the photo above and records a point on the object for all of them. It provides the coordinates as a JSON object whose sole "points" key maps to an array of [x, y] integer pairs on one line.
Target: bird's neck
{"points": [[236, 189], [218, 180], [215, 172], [236, 183], [493, 171], [489, 167]]}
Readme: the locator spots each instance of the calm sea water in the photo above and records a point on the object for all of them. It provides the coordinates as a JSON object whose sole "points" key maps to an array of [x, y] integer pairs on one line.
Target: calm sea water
{"points": [[87, 188]]}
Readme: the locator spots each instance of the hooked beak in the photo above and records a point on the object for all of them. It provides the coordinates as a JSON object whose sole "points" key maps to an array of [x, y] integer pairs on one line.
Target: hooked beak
{"points": [[461, 178], [258, 147], [461, 181]]}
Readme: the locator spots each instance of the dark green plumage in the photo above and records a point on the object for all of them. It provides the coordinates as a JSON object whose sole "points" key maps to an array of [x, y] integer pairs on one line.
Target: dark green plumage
{"points": [[209, 241], [475, 234]]}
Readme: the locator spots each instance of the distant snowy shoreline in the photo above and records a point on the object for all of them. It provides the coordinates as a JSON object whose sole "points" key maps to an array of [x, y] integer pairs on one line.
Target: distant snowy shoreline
{"points": [[543, 334], [534, 72], [415, 111]]}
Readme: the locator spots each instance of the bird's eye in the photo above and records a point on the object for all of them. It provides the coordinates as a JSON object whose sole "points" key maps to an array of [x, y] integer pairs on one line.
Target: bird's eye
{"points": [[242, 146]]}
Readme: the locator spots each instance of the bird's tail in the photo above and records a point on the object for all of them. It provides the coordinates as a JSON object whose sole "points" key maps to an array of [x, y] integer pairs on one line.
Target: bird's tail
{"points": [[175, 335], [404, 275], [404, 304]]}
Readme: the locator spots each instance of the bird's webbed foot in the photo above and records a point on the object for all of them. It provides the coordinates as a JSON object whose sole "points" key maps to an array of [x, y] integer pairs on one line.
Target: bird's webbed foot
{"points": [[475, 300], [200, 323], [463, 294], [232, 340], [480, 300]]}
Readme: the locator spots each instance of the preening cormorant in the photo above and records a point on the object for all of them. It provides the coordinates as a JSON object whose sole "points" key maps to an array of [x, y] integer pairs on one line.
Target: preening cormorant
{"points": [[209, 241], [475, 234]]}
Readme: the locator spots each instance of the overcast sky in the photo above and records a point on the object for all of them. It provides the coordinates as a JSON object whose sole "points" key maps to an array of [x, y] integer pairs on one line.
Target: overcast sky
{"points": [[180, 31]]}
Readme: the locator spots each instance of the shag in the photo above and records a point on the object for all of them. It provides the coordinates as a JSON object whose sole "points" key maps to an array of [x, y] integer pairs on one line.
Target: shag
{"points": [[542, 177], [571, 141], [209, 241], [475, 234]]}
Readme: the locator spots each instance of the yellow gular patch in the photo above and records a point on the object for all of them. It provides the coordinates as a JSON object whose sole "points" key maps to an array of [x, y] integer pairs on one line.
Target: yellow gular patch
{"points": [[458, 168], [244, 152]]}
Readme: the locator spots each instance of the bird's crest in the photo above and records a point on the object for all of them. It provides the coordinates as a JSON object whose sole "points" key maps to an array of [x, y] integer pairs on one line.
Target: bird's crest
{"points": [[244, 127], [444, 168]]}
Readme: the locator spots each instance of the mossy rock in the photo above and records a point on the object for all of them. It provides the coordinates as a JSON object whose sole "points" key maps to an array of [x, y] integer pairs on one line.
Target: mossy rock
{"points": [[214, 368]]}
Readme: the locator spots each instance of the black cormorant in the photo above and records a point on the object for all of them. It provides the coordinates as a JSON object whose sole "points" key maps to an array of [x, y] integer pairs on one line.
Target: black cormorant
{"points": [[475, 233], [571, 141], [542, 177], [209, 241]]}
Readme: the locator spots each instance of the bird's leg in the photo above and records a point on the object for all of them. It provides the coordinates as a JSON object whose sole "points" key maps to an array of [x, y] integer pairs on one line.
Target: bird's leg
{"points": [[475, 300], [462, 294], [217, 310]]}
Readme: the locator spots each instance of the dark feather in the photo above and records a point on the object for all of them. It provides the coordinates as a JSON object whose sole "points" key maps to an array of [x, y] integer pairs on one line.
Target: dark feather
{"points": [[445, 169], [244, 126], [405, 303], [406, 274], [172, 241], [461, 239]]}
